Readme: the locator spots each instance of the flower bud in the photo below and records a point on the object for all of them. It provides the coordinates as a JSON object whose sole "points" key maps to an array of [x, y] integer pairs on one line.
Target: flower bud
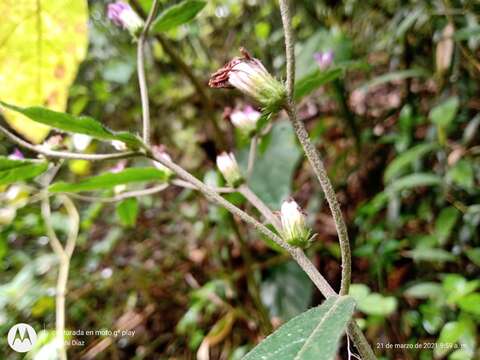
{"points": [[295, 230], [159, 151], [121, 14], [81, 141], [228, 166], [324, 59], [245, 120], [119, 145], [16, 155], [248, 75]]}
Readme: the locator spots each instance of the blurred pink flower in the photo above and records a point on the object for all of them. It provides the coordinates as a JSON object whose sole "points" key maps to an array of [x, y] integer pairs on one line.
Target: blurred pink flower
{"points": [[16, 155], [121, 14], [324, 59]]}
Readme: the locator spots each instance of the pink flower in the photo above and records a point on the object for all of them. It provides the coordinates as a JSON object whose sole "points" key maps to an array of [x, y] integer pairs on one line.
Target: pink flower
{"points": [[16, 155], [245, 120], [121, 14], [159, 151], [324, 59], [119, 166]]}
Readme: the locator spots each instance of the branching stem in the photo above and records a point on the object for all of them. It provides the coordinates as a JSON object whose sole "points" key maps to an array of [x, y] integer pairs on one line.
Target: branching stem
{"points": [[314, 158]]}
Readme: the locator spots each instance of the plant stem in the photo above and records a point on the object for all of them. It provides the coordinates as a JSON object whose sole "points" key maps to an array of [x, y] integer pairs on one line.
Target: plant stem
{"points": [[64, 255], [314, 158], [327, 187], [65, 154], [251, 156], [312, 153], [261, 207], [141, 72]]}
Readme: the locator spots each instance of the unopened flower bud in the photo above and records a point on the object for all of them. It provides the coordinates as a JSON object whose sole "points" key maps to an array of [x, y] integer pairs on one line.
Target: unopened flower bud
{"points": [[248, 75], [159, 151], [119, 167], [16, 155], [245, 120], [295, 230], [53, 142], [324, 59], [227, 164], [121, 14], [119, 145], [81, 141]]}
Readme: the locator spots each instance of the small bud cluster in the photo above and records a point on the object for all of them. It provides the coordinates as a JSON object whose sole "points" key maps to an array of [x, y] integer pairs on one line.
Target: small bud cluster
{"points": [[295, 229]]}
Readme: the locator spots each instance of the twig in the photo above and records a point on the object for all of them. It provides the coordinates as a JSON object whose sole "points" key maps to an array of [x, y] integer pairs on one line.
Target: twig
{"points": [[187, 185], [261, 207], [311, 152], [122, 196], [64, 255], [65, 154], [141, 72], [251, 156]]}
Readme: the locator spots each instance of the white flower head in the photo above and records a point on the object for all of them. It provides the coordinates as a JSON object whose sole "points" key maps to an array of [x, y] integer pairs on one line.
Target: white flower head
{"points": [[227, 164], [294, 225], [246, 119], [248, 75], [81, 141]]}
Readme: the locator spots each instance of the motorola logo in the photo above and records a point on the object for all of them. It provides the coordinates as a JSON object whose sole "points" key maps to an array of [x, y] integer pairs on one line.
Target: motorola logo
{"points": [[21, 337]]}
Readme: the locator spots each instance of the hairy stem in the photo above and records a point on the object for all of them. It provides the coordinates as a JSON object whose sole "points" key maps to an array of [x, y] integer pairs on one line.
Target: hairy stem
{"points": [[312, 153], [314, 158], [141, 72], [261, 207]]}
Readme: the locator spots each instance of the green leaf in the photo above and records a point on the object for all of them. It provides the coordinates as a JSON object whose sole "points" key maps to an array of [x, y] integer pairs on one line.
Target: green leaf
{"points": [[414, 181], [444, 224], [127, 211], [286, 291], [443, 114], [110, 180], [312, 335], [424, 290], [474, 255], [394, 76], [17, 170], [177, 15], [467, 32], [462, 174], [431, 255], [398, 165], [470, 303], [456, 287], [277, 157], [314, 80], [450, 334], [41, 47], [372, 303], [74, 124]]}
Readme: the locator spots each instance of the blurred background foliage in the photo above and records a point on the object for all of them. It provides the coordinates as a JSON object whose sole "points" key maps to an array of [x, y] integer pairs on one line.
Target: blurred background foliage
{"points": [[397, 123]]}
